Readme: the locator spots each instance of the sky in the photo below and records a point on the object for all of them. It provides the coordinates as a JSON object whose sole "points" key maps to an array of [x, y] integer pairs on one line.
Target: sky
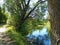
{"points": [[1, 2]]}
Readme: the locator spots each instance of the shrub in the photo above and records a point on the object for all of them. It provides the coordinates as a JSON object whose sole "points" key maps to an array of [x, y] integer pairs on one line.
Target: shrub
{"points": [[3, 17]]}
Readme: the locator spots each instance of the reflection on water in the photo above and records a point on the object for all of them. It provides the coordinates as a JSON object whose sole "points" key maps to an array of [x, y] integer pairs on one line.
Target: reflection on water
{"points": [[38, 37]]}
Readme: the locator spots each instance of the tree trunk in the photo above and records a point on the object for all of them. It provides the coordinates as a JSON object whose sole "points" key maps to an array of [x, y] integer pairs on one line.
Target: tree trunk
{"points": [[54, 11]]}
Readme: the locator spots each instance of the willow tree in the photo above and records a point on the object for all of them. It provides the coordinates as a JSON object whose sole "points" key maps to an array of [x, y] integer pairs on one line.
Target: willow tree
{"points": [[22, 9], [54, 11]]}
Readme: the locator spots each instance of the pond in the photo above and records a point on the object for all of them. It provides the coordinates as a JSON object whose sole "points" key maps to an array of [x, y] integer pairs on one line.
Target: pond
{"points": [[39, 37]]}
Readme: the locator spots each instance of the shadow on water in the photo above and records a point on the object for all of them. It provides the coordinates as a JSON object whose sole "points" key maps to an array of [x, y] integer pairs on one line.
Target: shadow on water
{"points": [[39, 37]]}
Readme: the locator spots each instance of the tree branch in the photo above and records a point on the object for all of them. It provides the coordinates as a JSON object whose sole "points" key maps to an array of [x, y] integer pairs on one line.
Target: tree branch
{"points": [[37, 3], [31, 10], [24, 9], [28, 2]]}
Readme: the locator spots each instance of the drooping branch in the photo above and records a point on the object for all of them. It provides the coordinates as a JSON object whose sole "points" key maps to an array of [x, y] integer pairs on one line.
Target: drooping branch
{"points": [[19, 5]]}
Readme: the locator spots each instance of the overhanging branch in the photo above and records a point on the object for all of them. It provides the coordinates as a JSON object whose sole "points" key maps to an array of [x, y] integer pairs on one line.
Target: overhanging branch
{"points": [[37, 3]]}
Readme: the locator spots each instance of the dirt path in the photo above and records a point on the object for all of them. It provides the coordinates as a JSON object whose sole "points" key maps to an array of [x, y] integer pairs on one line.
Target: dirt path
{"points": [[5, 40]]}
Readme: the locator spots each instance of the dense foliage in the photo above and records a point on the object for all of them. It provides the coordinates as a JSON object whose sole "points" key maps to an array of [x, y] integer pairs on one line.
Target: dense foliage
{"points": [[3, 17]]}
